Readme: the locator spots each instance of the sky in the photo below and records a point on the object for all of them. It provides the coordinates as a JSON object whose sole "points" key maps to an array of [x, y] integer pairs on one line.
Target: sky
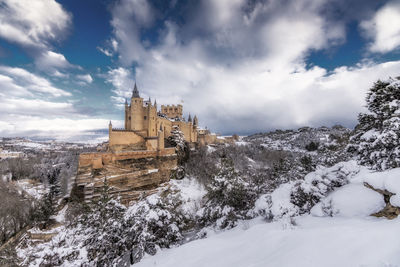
{"points": [[241, 66]]}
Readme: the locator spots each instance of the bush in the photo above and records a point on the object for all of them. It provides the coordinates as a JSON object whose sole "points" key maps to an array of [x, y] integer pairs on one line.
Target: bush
{"points": [[229, 197], [312, 146], [376, 140]]}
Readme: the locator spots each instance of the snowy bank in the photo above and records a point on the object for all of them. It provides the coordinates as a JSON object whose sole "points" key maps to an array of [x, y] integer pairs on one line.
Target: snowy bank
{"points": [[314, 242]]}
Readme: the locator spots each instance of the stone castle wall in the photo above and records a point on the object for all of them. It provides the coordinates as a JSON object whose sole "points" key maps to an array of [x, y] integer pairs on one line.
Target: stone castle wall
{"points": [[124, 139]]}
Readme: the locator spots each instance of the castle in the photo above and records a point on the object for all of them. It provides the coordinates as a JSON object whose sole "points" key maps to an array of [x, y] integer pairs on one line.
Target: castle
{"points": [[146, 128], [138, 159]]}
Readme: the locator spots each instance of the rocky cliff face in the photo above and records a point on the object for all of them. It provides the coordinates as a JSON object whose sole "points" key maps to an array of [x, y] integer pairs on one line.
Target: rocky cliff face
{"points": [[129, 174]]}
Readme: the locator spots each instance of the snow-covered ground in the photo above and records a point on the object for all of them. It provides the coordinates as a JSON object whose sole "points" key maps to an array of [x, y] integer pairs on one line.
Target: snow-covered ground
{"points": [[339, 231], [315, 241], [32, 188]]}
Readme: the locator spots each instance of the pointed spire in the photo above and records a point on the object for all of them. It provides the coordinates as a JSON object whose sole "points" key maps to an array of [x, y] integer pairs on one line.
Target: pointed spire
{"points": [[155, 102], [126, 102], [135, 92], [195, 121], [190, 118]]}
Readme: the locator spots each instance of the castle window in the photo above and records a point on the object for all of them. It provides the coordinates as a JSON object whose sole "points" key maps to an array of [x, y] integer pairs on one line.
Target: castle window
{"points": [[145, 117], [129, 117]]}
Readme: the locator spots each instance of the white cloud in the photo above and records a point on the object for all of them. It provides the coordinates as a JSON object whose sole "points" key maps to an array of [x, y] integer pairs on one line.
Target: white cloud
{"points": [[78, 129], [105, 51], [127, 19], [49, 60], [35, 25], [17, 81], [122, 81], [32, 22], [384, 28], [86, 78], [28, 108], [245, 72]]}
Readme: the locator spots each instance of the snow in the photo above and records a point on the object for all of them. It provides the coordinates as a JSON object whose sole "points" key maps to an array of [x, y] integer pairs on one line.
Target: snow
{"points": [[351, 200], [60, 216], [388, 180], [36, 190], [191, 192], [210, 149], [326, 241], [339, 230], [152, 171], [370, 134], [281, 200], [242, 143]]}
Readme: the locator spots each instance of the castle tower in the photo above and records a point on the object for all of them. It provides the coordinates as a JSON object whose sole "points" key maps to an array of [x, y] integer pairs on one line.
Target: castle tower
{"points": [[136, 117], [195, 121], [127, 125], [109, 130], [160, 143], [151, 119]]}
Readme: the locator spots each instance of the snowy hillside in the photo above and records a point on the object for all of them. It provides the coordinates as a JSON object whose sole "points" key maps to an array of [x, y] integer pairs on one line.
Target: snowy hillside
{"points": [[338, 232], [328, 241]]}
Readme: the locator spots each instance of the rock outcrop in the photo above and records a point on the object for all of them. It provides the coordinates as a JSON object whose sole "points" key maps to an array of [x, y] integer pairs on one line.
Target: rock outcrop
{"points": [[129, 174]]}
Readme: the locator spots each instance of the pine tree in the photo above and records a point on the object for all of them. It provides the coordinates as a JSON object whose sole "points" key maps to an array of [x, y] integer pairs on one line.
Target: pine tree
{"points": [[377, 136], [229, 197], [177, 140]]}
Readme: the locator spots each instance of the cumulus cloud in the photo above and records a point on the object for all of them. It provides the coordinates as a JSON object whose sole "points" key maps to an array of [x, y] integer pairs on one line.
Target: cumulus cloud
{"points": [[49, 60], [33, 22], [36, 25], [384, 28], [78, 129], [31, 105], [86, 78], [242, 67], [122, 81], [128, 17], [18, 81]]}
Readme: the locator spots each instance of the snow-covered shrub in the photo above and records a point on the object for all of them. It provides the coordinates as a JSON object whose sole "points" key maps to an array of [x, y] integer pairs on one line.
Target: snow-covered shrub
{"points": [[277, 205], [229, 197], [298, 197], [202, 165], [318, 184], [312, 146], [156, 222], [177, 140], [105, 234], [376, 140]]}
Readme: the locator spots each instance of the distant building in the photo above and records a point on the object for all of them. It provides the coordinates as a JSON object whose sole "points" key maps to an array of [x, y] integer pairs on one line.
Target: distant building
{"points": [[4, 154]]}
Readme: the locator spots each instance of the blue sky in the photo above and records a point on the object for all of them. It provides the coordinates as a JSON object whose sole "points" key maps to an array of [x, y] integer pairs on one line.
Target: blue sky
{"points": [[241, 66]]}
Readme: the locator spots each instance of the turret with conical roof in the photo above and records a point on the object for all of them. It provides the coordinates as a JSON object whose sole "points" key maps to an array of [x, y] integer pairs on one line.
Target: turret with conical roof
{"points": [[136, 112], [190, 118], [135, 92]]}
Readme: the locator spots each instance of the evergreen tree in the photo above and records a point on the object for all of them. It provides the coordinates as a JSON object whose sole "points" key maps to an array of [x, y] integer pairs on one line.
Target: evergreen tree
{"points": [[229, 197], [377, 136], [177, 140]]}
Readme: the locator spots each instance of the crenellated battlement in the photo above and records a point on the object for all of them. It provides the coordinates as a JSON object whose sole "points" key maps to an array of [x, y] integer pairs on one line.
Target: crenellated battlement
{"points": [[172, 111]]}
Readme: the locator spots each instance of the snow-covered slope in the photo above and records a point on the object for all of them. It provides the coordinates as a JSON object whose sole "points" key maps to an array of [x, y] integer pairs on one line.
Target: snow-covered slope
{"points": [[339, 231], [328, 241]]}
